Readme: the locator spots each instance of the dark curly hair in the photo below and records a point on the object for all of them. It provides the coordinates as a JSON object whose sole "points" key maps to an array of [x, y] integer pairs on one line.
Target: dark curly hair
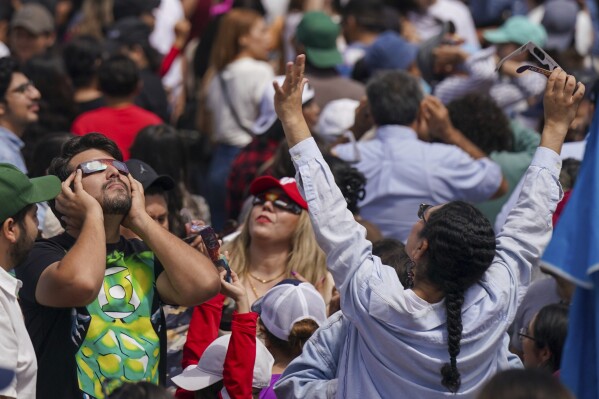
{"points": [[461, 247], [480, 119], [8, 66], [76, 145], [350, 181]]}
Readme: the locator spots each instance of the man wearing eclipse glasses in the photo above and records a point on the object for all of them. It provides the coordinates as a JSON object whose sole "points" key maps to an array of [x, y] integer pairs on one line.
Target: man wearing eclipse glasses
{"points": [[91, 298]]}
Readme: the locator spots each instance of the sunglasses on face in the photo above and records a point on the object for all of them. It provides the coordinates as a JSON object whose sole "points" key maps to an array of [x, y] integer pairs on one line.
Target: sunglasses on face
{"points": [[281, 201], [422, 211], [99, 165]]}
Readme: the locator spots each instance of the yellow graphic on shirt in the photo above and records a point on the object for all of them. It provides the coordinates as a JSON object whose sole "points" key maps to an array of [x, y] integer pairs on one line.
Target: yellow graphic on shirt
{"points": [[120, 343]]}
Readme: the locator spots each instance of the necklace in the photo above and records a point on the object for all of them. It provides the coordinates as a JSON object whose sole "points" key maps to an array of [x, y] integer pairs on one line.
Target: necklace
{"points": [[269, 280], [254, 289]]}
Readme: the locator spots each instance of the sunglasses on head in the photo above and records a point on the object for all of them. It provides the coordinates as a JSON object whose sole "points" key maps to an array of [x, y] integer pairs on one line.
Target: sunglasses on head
{"points": [[99, 165], [281, 201], [422, 211]]}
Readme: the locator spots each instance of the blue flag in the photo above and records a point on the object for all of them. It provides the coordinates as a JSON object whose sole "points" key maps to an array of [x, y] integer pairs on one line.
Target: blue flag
{"points": [[573, 253]]}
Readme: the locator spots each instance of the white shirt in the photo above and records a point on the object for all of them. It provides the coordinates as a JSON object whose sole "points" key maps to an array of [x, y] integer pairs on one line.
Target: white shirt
{"points": [[446, 10], [245, 80], [16, 350]]}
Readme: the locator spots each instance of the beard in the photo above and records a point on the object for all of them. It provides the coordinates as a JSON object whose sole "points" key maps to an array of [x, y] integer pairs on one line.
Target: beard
{"points": [[117, 202], [18, 252]]}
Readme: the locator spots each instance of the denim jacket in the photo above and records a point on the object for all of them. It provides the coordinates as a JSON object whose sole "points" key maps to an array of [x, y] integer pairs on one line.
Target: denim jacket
{"points": [[396, 342]]}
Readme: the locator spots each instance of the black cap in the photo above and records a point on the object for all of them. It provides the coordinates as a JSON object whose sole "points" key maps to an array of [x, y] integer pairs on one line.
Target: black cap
{"points": [[148, 177], [128, 31], [133, 8]]}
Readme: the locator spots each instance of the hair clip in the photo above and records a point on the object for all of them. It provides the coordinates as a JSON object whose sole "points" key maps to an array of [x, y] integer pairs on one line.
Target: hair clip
{"points": [[541, 56]]}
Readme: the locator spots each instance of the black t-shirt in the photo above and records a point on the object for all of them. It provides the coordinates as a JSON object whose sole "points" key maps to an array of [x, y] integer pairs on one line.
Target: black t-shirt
{"points": [[121, 336]]}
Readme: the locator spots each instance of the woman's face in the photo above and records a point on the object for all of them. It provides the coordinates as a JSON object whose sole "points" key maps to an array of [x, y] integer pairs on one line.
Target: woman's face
{"points": [[532, 357], [311, 112], [257, 41], [269, 222]]}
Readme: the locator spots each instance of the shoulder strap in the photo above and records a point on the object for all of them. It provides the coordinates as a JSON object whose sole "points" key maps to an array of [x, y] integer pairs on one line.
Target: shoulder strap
{"points": [[223, 87]]}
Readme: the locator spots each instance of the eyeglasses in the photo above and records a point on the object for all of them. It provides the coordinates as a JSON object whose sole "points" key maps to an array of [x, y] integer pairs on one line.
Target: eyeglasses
{"points": [[523, 333], [24, 87], [422, 211], [281, 201], [99, 165]]}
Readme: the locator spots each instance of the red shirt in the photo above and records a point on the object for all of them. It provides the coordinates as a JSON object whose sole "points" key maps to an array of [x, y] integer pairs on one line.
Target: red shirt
{"points": [[121, 125]]}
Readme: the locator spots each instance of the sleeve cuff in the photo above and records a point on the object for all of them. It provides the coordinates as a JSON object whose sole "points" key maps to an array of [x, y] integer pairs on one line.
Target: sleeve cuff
{"points": [[548, 159], [304, 151]]}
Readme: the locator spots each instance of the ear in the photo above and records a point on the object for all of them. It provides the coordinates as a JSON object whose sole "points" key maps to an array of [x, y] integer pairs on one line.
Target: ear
{"points": [[10, 230], [545, 354], [420, 251], [2, 108]]}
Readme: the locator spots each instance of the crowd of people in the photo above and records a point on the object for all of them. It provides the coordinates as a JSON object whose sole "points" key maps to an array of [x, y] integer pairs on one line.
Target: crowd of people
{"points": [[288, 198]]}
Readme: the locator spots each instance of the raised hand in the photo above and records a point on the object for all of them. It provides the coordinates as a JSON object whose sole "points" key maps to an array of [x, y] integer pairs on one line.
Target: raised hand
{"points": [[234, 290], [288, 102], [137, 215], [562, 98], [75, 204], [437, 118]]}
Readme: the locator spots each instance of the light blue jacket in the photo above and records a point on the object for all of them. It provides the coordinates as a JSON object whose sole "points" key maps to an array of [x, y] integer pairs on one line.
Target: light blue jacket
{"points": [[396, 342]]}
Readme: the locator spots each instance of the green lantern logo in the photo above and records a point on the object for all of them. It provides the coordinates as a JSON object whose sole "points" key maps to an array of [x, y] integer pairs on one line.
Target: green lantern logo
{"points": [[118, 298]]}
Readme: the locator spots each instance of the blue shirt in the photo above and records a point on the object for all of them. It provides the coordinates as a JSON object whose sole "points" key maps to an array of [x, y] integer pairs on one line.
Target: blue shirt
{"points": [[10, 149], [397, 342], [402, 172]]}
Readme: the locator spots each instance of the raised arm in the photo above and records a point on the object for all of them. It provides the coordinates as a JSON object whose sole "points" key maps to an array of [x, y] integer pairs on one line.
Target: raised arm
{"points": [[349, 254], [189, 277], [76, 279], [528, 228]]}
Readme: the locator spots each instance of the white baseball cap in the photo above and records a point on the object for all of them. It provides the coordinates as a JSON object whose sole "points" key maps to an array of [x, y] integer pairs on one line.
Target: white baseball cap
{"points": [[287, 303], [336, 118], [210, 367], [267, 116]]}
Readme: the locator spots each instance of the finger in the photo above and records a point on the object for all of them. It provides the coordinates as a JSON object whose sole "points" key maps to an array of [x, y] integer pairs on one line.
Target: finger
{"points": [[78, 185], [560, 82], [278, 89], [570, 85], [234, 277], [223, 276], [299, 277], [300, 64], [66, 185], [288, 82], [551, 81], [579, 93]]}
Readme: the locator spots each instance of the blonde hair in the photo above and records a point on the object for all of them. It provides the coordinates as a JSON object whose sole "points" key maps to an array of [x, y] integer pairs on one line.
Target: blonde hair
{"points": [[305, 256]]}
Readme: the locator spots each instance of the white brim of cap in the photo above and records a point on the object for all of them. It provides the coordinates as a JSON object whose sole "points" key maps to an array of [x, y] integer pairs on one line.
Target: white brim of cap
{"points": [[194, 379]]}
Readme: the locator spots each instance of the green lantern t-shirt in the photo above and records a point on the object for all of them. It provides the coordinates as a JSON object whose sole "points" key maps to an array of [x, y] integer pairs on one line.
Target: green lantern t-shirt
{"points": [[120, 337]]}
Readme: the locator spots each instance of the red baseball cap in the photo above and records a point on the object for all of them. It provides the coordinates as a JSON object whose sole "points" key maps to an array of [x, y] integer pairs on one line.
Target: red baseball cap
{"points": [[287, 184]]}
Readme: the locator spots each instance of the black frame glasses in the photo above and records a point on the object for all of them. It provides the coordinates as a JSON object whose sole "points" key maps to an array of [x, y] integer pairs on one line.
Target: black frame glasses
{"points": [[24, 87], [523, 333], [98, 165], [422, 211], [279, 200]]}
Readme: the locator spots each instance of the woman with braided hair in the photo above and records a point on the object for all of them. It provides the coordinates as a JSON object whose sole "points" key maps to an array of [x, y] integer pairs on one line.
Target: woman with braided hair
{"points": [[446, 336]]}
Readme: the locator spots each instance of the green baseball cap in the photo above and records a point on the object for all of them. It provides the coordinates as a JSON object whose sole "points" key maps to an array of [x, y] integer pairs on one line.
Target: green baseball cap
{"points": [[517, 29], [318, 33], [17, 190]]}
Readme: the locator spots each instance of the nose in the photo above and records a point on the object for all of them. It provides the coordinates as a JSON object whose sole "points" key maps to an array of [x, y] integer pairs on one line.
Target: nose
{"points": [[112, 172], [34, 93], [269, 206]]}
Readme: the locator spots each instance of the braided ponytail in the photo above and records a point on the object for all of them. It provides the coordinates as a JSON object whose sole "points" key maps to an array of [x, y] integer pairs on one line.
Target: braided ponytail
{"points": [[461, 246], [453, 307]]}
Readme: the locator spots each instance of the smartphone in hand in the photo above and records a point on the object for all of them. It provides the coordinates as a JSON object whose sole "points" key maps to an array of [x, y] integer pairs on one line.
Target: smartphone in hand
{"points": [[212, 245]]}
